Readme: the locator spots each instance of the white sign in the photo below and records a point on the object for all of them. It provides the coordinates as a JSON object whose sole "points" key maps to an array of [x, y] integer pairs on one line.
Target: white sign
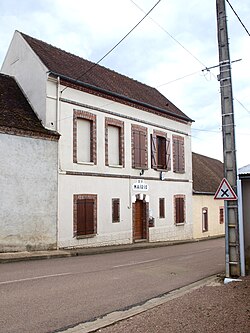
{"points": [[140, 185], [225, 191]]}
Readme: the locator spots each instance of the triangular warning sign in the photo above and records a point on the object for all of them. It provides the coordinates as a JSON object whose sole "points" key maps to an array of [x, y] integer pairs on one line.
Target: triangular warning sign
{"points": [[225, 191]]}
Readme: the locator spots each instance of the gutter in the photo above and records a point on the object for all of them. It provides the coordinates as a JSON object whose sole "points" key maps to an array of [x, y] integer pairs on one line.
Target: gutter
{"points": [[110, 93], [203, 193]]}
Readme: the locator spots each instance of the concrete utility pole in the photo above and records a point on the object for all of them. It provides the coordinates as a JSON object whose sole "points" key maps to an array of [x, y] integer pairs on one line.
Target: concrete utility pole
{"points": [[230, 170]]}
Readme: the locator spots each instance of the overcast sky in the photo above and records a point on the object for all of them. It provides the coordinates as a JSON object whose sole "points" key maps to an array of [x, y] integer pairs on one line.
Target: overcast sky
{"points": [[168, 50]]}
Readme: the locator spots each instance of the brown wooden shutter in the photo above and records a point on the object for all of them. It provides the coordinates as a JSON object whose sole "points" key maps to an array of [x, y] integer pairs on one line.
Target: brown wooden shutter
{"points": [[221, 215], [181, 155], [89, 221], [85, 217], [179, 210], [115, 210], [143, 152], [136, 136], [178, 154], [168, 154], [81, 227], [162, 208], [153, 151], [175, 154]]}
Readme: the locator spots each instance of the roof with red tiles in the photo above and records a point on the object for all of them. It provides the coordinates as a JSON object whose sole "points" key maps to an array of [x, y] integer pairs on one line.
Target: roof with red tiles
{"points": [[207, 173], [73, 67], [15, 111]]}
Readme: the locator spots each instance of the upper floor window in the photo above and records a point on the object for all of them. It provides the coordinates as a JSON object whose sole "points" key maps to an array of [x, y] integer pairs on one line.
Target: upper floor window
{"points": [[178, 154], [84, 137], [139, 147], [160, 151], [114, 142]]}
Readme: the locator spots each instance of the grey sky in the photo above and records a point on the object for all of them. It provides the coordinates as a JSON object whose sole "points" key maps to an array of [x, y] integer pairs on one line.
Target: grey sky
{"points": [[89, 28]]}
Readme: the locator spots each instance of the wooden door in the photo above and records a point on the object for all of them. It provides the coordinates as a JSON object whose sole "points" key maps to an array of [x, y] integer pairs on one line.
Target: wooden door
{"points": [[138, 222]]}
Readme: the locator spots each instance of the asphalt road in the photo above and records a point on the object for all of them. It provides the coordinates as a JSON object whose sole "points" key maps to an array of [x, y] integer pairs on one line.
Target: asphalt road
{"points": [[47, 295]]}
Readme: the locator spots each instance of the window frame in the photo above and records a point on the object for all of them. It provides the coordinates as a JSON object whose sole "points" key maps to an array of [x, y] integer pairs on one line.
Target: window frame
{"points": [[179, 209], [116, 213], [78, 114], [77, 198], [162, 208], [160, 139], [221, 215], [120, 125]]}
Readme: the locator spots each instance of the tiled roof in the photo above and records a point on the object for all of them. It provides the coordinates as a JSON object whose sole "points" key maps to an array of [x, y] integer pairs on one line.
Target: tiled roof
{"points": [[15, 111], [207, 173], [71, 66]]}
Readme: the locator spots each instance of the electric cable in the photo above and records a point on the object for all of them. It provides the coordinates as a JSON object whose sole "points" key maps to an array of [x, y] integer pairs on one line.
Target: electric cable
{"points": [[112, 49], [238, 17]]}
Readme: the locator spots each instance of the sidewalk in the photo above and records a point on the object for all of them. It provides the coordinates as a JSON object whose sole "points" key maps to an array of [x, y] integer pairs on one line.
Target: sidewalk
{"points": [[6, 257]]}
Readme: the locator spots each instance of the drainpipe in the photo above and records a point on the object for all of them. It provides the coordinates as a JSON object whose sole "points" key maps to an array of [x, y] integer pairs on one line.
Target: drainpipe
{"points": [[241, 228], [58, 154]]}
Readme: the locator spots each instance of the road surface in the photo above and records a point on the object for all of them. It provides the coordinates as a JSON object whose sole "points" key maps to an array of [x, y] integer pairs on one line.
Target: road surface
{"points": [[47, 295]]}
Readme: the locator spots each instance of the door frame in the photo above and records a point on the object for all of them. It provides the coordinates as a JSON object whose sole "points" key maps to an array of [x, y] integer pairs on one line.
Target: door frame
{"points": [[145, 217]]}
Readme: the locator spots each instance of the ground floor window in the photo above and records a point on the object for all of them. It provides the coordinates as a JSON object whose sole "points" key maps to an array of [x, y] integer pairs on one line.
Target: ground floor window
{"points": [[85, 214], [115, 210], [221, 215], [204, 219], [162, 208], [179, 209]]}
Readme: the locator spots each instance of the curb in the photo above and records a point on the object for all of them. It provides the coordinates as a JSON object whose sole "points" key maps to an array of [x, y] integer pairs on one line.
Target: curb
{"points": [[116, 316], [7, 257]]}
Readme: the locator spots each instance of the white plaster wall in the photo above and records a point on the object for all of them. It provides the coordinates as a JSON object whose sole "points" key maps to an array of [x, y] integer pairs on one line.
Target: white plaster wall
{"points": [[214, 227], [109, 233], [66, 130], [28, 70], [28, 196]]}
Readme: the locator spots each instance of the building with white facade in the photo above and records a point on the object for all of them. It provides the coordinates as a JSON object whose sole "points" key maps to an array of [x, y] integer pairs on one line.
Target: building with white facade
{"points": [[124, 154]]}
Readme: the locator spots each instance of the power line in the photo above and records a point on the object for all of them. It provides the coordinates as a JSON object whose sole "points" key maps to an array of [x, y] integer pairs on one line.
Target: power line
{"points": [[238, 18], [112, 49], [171, 36]]}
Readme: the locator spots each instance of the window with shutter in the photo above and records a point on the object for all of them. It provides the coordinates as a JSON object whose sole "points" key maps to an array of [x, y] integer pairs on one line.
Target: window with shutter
{"points": [[179, 209], [139, 147], [85, 214], [160, 151], [178, 154], [115, 210], [162, 208], [221, 216]]}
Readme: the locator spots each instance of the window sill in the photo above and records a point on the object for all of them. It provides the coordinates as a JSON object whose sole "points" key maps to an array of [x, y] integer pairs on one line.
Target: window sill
{"points": [[85, 163], [115, 166], [85, 236], [179, 224]]}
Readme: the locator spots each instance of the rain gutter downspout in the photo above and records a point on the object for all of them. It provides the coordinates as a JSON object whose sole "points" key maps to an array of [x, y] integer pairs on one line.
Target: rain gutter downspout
{"points": [[58, 155], [87, 85]]}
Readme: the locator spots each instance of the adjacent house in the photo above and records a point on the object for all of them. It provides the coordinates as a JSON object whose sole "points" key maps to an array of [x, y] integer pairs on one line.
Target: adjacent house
{"points": [[28, 174], [244, 217], [124, 153], [208, 213]]}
